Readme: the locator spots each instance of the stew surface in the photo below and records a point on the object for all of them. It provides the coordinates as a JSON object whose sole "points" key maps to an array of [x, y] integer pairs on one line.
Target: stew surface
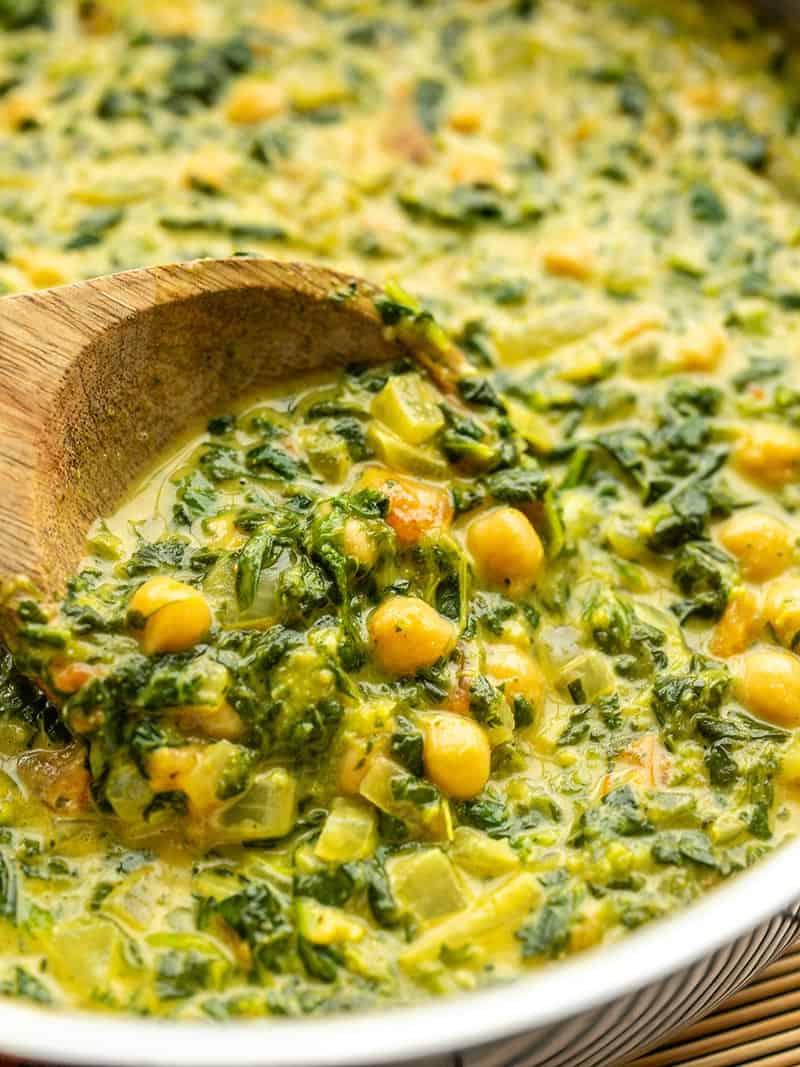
{"points": [[374, 690]]}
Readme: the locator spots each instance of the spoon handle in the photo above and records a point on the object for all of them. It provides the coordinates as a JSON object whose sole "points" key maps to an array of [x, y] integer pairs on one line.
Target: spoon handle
{"points": [[97, 377]]}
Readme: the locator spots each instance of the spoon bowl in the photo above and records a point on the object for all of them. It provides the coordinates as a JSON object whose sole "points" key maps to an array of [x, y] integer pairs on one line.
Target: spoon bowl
{"points": [[96, 378]]}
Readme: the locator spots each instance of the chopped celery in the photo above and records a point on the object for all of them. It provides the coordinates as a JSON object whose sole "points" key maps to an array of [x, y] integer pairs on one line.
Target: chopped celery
{"points": [[534, 427], [501, 907], [182, 941], [348, 833], [553, 329], [425, 884], [132, 900], [215, 883], [586, 364], [587, 676], [327, 454], [86, 952], [482, 855], [384, 786], [103, 542], [127, 790], [214, 682], [400, 455], [408, 406], [499, 724], [325, 925], [267, 810], [220, 587], [204, 784], [675, 647]]}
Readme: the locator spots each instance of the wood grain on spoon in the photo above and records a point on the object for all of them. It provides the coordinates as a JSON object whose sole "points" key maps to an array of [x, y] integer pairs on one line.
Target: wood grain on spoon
{"points": [[96, 378]]}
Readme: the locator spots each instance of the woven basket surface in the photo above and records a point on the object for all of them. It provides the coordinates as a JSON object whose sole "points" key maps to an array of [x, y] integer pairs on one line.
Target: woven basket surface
{"points": [[759, 1026]]}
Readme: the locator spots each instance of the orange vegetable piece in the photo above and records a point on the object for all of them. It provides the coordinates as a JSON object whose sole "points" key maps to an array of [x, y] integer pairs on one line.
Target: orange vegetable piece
{"points": [[416, 508], [738, 627]]}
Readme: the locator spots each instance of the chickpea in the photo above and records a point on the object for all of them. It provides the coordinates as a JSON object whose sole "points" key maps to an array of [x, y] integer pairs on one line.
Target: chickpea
{"points": [[194, 769], [738, 627], [252, 101], [407, 634], [761, 543], [465, 117], [167, 768], [358, 544], [456, 754], [769, 685], [175, 615], [517, 672], [782, 609], [790, 763], [571, 258], [769, 453], [506, 549], [221, 722], [703, 348], [155, 593], [177, 627], [416, 508]]}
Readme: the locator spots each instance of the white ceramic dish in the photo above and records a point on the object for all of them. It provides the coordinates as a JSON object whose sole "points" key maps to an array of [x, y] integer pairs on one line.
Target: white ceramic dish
{"points": [[590, 1010]]}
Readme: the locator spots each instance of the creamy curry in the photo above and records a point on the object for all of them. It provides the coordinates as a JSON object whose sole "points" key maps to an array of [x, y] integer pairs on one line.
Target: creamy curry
{"points": [[376, 688]]}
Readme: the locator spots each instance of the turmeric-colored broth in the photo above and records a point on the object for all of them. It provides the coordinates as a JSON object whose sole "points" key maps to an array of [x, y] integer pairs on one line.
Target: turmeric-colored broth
{"points": [[375, 689]]}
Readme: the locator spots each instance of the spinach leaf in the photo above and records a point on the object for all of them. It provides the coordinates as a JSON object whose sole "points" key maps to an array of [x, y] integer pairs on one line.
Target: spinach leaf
{"points": [[196, 498], [682, 701], [93, 227], [181, 974], [334, 885], [171, 554], [406, 745], [481, 392], [759, 369], [618, 815], [260, 550], [429, 94], [705, 204], [199, 74], [260, 916], [269, 457], [677, 847], [705, 575], [518, 485], [24, 14], [548, 933], [25, 985]]}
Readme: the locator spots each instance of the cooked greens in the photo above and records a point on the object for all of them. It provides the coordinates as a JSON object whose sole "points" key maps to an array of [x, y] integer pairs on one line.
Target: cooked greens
{"points": [[377, 690]]}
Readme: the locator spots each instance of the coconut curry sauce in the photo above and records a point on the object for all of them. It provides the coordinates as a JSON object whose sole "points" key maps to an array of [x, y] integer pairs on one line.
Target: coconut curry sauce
{"points": [[371, 691]]}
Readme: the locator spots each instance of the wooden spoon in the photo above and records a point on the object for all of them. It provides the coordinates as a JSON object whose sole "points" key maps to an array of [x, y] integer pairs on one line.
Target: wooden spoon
{"points": [[96, 378]]}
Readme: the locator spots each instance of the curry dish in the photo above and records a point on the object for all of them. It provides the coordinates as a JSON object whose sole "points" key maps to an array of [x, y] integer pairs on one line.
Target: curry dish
{"points": [[375, 689]]}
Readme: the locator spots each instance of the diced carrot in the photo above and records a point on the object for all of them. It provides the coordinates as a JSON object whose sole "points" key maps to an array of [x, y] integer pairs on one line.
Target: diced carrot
{"points": [[70, 677], [404, 135], [458, 699], [415, 508], [353, 765], [643, 763]]}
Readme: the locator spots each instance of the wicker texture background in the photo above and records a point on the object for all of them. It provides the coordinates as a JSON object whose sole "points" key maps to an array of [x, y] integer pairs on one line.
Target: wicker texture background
{"points": [[758, 1026]]}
